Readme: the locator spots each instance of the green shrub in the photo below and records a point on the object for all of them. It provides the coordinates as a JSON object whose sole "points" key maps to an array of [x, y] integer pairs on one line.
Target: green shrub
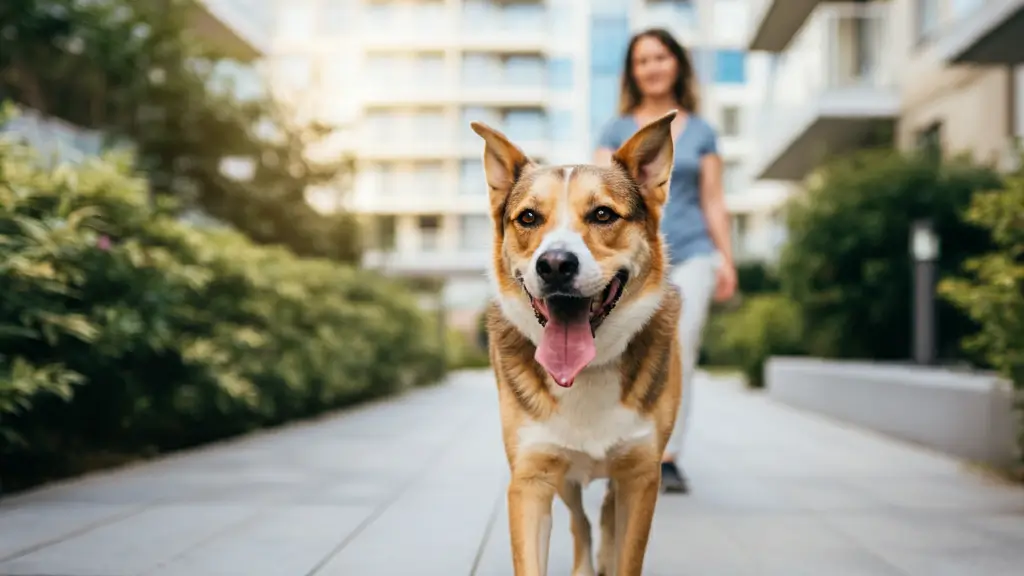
{"points": [[765, 325], [847, 263], [993, 294], [465, 352], [756, 278], [123, 331]]}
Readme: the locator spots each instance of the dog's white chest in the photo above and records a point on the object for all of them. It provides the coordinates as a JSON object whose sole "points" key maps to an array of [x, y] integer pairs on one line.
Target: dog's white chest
{"points": [[590, 422]]}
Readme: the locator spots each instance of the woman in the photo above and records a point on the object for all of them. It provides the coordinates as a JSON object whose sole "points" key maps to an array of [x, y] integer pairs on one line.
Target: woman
{"points": [[659, 77]]}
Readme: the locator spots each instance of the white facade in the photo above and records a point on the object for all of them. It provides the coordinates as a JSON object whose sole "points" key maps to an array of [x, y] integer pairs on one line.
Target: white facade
{"points": [[914, 73], [405, 78]]}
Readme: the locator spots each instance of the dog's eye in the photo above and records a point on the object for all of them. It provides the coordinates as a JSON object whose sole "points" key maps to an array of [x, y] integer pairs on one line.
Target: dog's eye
{"points": [[527, 218], [603, 215]]}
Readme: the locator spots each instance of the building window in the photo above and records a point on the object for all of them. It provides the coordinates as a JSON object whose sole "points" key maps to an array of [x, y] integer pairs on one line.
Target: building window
{"points": [[524, 71], [561, 126], [731, 121], [472, 181], [609, 38], [929, 142], [426, 178], [560, 73], [526, 125], [730, 67], [732, 177], [387, 178], [604, 102], [430, 233], [740, 225], [429, 125], [384, 232], [927, 18], [474, 232]]}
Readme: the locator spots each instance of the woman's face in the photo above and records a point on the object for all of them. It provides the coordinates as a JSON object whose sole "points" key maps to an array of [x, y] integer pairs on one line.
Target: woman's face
{"points": [[654, 67]]}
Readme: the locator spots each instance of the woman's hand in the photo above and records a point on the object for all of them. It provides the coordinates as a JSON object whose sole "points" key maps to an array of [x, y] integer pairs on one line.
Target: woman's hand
{"points": [[725, 282]]}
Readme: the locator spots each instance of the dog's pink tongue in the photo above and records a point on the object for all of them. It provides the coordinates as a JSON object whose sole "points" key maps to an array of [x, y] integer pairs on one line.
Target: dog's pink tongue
{"points": [[566, 349]]}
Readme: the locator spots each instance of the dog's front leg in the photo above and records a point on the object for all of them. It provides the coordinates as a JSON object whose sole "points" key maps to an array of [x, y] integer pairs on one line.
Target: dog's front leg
{"points": [[637, 478], [531, 492]]}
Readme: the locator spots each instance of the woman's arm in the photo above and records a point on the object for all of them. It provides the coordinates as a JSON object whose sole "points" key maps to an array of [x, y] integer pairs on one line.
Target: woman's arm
{"points": [[712, 200]]}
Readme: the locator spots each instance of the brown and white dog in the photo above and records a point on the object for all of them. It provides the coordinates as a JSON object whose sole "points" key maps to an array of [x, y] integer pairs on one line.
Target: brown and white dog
{"points": [[583, 342]]}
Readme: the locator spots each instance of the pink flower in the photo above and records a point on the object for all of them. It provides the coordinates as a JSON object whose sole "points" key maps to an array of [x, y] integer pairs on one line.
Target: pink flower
{"points": [[103, 243]]}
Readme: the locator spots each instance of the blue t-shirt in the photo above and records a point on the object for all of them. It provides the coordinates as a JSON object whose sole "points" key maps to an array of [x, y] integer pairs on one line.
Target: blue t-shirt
{"points": [[682, 222]]}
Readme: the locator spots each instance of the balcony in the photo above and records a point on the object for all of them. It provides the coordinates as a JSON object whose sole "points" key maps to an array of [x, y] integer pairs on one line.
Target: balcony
{"points": [[227, 25], [776, 22], [831, 91], [974, 31], [424, 263]]}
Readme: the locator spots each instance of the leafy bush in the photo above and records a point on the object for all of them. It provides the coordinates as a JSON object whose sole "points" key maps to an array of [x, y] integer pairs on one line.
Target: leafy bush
{"points": [[465, 352], [993, 294], [763, 326], [123, 331], [756, 278], [847, 264]]}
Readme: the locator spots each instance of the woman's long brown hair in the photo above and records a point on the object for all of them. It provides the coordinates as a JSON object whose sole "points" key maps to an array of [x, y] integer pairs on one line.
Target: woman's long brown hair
{"points": [[684, 89]]}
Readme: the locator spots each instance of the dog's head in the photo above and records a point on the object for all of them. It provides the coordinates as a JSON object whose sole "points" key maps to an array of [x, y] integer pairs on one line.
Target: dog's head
{"points": [[579, 262]]}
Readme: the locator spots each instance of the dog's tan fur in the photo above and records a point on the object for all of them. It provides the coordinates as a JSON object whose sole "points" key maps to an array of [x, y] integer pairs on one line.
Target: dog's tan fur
{"points": [[644, 363]]}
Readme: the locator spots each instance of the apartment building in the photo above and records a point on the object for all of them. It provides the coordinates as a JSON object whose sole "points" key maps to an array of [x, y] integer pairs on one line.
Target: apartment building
{"points": [[403, 79], [939, 73]]}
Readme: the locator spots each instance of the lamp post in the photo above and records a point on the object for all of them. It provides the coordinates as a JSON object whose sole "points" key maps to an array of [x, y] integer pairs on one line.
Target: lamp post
{"points": [[924, 247]]}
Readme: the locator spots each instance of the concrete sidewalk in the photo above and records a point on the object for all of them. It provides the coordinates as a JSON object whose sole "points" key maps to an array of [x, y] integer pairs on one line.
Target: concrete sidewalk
{"points": [[415, 485]]}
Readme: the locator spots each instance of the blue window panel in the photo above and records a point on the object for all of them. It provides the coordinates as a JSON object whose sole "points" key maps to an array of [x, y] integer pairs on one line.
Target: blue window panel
{"points": [[609, 38], [703, 63], [609, 7], [560, 125], [526, 125], [560, 73], [730, 67], [604, 103]]}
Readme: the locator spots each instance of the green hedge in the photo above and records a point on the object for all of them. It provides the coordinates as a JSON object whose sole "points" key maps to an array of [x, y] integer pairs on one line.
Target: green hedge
{"points": [[847, 263], [762, 326], [993, 292], [123, 331]]}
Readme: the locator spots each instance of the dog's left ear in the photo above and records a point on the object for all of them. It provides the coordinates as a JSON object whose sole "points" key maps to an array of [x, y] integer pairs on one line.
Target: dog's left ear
{"points": [[504, 164], [648, 155]]}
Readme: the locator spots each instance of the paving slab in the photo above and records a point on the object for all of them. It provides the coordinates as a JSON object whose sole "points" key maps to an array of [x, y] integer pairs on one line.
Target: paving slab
{"points": [[416, 485]]}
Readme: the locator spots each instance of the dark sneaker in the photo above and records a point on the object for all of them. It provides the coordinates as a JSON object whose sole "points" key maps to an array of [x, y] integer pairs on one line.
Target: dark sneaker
{"points": [[672, 479]]}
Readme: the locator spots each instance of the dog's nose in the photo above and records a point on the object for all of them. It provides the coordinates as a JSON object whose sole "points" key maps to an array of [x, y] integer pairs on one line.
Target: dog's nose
{"points": [[557, 267]]}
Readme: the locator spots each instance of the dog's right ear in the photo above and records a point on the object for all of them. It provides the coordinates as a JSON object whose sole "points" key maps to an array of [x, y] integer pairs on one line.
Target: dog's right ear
{"points": [[504, 164], [647, 156]]}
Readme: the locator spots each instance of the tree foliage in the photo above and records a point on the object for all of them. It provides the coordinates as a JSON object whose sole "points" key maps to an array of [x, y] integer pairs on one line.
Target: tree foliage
{"points": [[992, 292], [135, 70], [848, 265]]}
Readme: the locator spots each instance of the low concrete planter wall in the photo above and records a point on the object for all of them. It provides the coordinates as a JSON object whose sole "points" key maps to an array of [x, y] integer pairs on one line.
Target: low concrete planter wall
{"points": [[968, 415]]}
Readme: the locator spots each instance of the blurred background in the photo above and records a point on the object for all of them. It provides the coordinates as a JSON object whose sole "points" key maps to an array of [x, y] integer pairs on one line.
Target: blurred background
{"points": [[223, 214]]}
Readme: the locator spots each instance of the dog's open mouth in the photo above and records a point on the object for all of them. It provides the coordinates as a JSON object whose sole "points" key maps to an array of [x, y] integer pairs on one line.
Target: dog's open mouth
{"points": [[566, 306], [570, 324]]}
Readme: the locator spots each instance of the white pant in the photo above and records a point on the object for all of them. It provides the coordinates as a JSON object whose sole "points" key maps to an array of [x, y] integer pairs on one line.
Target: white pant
{"points": [[696, 278]]}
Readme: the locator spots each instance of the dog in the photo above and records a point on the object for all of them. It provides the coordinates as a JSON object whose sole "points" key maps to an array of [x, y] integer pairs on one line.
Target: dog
{"points": [[583, 342]]}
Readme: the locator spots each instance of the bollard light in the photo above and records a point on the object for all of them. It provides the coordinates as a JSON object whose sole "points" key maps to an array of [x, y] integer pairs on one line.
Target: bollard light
{"points": [[924, 243], [924, 248]]}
